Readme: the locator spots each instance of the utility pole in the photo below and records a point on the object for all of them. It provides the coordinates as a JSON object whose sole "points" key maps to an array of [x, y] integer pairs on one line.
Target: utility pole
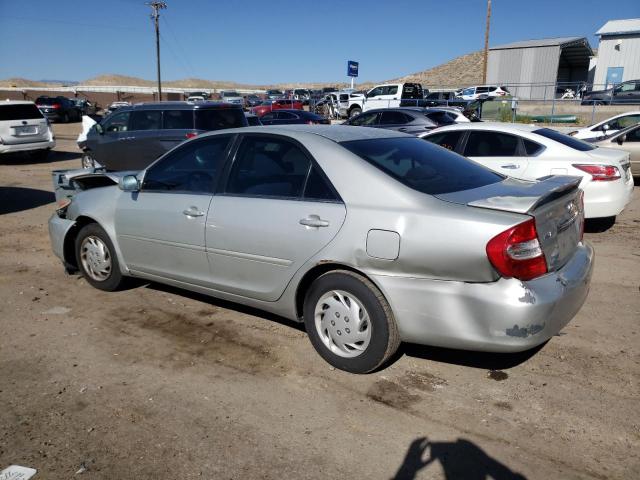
{"points": [[155, 15], [486, 43]]}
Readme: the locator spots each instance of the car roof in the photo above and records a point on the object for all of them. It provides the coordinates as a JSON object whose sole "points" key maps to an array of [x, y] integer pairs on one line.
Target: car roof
{"points": [[495, 126], [336, 133], [181, 106], [16, 102]]}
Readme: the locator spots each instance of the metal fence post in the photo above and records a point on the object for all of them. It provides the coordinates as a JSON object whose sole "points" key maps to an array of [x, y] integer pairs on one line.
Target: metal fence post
{"points": [[593, 112], [553, 107]]}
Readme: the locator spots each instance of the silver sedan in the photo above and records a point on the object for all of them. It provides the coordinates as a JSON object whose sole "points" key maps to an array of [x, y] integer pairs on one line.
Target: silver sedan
{"points": [[370, 237]]}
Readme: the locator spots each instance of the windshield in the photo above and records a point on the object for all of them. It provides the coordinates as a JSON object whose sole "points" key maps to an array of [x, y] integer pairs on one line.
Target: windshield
{"points": [[570, 142], [421, 165]]}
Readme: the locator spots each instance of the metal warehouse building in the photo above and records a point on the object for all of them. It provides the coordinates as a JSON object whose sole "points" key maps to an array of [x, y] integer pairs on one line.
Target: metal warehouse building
{"points": [[532, 68], [618, 52]]}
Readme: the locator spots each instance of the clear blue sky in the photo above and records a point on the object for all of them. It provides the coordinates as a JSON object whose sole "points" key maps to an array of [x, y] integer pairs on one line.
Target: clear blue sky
{"points": [[262, 42]]}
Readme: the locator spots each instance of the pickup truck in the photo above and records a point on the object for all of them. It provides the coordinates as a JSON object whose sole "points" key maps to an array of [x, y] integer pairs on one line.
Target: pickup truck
{"points": [[385, 96]]}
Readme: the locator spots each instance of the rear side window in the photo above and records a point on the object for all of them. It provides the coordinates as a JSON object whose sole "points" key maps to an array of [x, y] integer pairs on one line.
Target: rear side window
{"points": [[441, 118], [146, 120], [365, 119], [317, 188], [491, 144], [532, 148], [178, 120], [220, 118], [566, 140], [421, 165], [268, 167], [25, 111], [448, 140]]}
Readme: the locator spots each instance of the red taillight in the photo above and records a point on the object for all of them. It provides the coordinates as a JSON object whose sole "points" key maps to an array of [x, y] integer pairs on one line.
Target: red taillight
{"points": [[55, 105], [517, 252], [191, 134], [599, 173]]}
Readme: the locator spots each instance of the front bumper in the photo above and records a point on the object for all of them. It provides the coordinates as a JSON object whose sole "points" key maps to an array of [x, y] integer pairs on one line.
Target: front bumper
{"points": [[508, 315], [58, 229]]}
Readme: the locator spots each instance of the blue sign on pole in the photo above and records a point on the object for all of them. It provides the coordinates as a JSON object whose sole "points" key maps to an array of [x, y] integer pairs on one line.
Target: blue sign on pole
{"points": [[352, 68]]}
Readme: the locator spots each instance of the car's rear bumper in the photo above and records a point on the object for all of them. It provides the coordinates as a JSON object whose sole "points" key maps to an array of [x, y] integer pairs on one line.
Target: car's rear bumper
{"points": [[27, 147], [606, 199], [508, 315]]}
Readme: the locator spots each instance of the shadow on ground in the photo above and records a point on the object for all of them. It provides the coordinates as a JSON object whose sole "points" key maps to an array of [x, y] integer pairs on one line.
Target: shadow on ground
{"points": [[54, 156], [459, 460], [17, 199]]}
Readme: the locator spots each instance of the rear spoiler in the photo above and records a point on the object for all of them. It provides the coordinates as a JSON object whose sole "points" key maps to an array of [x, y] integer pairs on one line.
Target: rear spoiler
{"points": [[513, 195]]}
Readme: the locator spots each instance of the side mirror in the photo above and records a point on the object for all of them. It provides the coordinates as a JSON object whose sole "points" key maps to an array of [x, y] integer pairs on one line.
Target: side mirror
{"points": [[99, 129], [129, 183], [621, 139], [605, 127]]}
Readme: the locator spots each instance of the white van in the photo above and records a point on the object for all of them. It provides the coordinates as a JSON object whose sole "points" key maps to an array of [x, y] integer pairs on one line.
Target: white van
{"points": [[23, 128]]}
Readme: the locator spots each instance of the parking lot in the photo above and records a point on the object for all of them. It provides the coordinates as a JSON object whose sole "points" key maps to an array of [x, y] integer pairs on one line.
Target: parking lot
{"points": [[154, 382]]}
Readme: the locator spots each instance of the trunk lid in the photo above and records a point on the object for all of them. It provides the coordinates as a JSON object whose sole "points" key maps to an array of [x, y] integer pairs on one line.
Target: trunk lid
{"points": [[554, 202]]}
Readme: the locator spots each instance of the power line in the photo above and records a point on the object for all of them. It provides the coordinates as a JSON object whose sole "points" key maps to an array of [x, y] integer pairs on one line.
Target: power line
{"points": [[184, 58], [155, 15]]}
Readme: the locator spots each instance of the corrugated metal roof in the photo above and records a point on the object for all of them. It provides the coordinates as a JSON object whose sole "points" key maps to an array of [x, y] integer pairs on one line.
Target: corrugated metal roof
{"points": [[543, 42], [624, 27]]}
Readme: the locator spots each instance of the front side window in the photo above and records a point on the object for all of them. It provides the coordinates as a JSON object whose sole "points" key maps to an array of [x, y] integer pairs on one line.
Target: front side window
{"points": [[119, 122], [376, 92], [626, 87], [268, 167], [468, 91], [391, 117], [286, 116], [448, 140], [192, 168], [267, 117], [146, 120], [491, 144], [633, 135], [624, 122], [365, 120], [421, 165]]}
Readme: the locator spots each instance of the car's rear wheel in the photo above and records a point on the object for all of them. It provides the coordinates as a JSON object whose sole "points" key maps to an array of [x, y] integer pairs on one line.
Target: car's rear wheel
{"points": [[97, 260], [349, 322]]}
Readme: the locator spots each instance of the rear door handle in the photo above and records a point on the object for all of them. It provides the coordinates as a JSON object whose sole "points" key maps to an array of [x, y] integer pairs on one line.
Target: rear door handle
{"points": [[193, 212], [511, 166], [314, 221]]}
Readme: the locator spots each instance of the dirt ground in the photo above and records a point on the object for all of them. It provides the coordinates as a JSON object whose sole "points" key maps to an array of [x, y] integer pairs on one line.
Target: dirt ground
{"points": [[159, 383]]}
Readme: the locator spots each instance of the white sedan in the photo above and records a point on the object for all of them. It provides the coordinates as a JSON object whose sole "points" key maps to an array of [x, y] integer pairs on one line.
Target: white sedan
{"points": [[607, 127], [531, 152]]}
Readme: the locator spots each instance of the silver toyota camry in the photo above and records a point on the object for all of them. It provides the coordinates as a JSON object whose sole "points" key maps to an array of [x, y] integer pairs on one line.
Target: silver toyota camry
{"points": [[370, 237]]}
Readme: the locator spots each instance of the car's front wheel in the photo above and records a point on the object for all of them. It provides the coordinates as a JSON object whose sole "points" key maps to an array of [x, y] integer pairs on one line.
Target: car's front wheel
{"points": [[349, 322], [354, 112], [97, 260]]}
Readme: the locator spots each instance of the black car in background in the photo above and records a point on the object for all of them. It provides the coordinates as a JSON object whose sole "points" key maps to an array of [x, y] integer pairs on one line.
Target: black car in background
{"points": [[413, 121], [292, 117], [134, 136], [59, 109], [626, 92]]}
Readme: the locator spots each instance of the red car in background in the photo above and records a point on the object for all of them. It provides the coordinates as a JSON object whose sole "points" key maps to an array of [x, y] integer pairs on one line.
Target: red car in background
{"points": [[271, 105]]}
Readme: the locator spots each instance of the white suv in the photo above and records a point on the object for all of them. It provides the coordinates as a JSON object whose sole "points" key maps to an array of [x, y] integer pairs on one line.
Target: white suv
{"points": [[473, 93], [23, 128]]}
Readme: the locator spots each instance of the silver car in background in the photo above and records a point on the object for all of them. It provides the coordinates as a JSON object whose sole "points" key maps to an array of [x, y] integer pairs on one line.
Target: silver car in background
{"points": [[368, 236]]}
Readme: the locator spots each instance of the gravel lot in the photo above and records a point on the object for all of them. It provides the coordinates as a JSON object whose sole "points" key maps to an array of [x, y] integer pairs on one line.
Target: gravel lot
{"points": [[159, 383]]}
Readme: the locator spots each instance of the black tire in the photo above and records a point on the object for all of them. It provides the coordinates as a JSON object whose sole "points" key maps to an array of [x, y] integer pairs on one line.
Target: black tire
{"points": [[354, 111], [114, 280], [87, 161], [384, 336]]}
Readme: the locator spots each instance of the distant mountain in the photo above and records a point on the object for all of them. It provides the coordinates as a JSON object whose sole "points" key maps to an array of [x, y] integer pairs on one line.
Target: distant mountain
{"points": [[461, 71]]}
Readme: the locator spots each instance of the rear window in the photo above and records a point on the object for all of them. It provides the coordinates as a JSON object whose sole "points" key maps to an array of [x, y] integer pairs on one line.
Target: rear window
{"points": [[412, 91], [26, 111], [47, 100], [219, 119], [421, 165], [570, 142]]}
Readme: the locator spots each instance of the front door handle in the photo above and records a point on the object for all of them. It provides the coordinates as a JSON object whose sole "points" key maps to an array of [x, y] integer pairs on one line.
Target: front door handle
{"points": [[511, 166], [193, 212], [314, 221]]}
